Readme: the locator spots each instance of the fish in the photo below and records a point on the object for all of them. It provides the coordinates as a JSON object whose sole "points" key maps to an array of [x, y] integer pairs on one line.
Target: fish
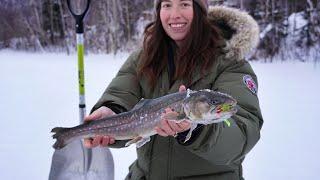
{"points": [[137, 125]]}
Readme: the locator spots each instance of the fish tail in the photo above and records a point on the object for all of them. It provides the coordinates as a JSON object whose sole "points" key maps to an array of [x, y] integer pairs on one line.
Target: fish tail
{"points": [[60, 137]]}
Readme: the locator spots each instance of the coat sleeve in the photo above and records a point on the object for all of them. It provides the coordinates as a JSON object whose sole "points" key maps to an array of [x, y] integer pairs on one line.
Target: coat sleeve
{"points": [[123, 92], [224, 145]]}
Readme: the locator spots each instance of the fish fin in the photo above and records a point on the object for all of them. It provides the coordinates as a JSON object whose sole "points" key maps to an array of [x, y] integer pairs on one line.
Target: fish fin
{"points": [[141, 103], [142, 142], [182, 116], [132, 141], [171, 115], [193, 127], [61, 141], [174, 116]]}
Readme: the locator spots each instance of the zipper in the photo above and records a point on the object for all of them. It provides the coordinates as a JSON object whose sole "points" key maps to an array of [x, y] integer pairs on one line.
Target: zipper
{"points": [[150, 153], [170, 151]]}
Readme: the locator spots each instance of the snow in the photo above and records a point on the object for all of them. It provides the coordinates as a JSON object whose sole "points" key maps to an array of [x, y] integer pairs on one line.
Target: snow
{"points": [[40, 91], [265, 31], [288, 148], [297, 21]]}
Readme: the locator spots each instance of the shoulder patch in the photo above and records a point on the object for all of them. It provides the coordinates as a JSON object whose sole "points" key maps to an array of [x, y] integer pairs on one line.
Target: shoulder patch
{"points": [[251, 85]]}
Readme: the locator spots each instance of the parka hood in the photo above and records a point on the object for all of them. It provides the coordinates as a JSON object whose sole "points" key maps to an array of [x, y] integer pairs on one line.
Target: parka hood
{"points": [[238, 28]]}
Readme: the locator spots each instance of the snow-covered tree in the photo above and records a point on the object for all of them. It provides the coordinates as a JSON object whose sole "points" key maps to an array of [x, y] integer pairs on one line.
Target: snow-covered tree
{"points": [[117, 25]]}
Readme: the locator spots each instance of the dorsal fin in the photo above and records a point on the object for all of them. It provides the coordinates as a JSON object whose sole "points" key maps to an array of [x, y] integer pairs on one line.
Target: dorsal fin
{"points": [[141, 103]]}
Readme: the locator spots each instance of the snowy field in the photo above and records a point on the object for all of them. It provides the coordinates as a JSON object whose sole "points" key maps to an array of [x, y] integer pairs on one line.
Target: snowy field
{"points": [[40, 91]]}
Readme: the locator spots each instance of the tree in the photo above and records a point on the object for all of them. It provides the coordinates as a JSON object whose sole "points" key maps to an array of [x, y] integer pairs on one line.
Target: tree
{"points": [[117, 25]]}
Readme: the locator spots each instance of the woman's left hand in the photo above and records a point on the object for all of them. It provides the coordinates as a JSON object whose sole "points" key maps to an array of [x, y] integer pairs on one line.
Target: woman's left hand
{"points": [[171, 128]]}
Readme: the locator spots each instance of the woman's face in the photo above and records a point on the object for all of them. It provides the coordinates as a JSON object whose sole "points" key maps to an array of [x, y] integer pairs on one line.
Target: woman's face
{"points": [[176, 18]]}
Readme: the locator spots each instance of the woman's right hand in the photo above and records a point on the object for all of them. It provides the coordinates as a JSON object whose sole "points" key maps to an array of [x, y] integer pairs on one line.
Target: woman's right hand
{"points": [[99, 140]]}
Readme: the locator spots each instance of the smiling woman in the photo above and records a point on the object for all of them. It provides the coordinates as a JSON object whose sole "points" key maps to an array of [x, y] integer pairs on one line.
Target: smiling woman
{"points": [[176, 18], [189, 46], [180, 28]]}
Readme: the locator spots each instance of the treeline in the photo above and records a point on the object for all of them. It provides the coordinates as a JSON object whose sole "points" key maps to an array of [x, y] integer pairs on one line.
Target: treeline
{"points": [[289, 28], [47, 25]]}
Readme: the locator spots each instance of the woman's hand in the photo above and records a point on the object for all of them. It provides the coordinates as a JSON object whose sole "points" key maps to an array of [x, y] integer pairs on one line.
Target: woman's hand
{"points": [[171, 128], [99, 140]]}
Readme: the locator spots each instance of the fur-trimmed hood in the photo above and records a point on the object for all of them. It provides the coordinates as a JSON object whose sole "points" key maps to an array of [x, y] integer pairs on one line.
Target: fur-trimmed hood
{"points": [[239, 29]]}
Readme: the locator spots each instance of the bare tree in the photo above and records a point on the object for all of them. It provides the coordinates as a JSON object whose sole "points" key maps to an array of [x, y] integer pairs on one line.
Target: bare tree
{"points": [[111, 26]]}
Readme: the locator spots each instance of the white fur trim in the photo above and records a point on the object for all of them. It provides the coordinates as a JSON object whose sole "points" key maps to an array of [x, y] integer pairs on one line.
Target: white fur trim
{"points": [[246, 37]]}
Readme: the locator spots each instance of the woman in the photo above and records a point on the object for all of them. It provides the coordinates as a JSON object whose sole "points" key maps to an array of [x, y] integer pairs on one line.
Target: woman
{"points": [[189, 46]]}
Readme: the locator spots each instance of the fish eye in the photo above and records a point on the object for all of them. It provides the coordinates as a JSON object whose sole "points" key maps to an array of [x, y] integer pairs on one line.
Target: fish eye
{"points": [[214, 101]]}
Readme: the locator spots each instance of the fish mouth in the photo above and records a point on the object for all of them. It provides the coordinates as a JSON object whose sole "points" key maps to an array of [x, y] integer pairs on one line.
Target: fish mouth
{"points": [[224, 108]]}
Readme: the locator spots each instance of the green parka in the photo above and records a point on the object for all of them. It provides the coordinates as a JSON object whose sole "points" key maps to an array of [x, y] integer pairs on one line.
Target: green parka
{"points": [[218, 150]]}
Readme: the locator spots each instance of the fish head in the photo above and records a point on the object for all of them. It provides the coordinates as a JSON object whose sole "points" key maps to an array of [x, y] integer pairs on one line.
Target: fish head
{"points": [[208, 106]]}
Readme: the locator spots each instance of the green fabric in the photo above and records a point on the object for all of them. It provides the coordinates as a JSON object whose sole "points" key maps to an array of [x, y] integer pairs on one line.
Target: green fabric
{"points": [[218, 151]]}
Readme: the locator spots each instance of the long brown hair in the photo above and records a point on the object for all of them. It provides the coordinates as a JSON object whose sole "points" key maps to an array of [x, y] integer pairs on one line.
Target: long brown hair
{"points": [[200, 48]]}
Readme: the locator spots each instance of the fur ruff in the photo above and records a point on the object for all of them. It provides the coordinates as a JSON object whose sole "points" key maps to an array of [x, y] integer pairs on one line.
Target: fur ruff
{"points": [[246, 36]]}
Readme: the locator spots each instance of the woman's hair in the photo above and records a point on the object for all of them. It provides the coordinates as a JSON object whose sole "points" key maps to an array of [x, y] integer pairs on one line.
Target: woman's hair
{"points": [[200, 45]]}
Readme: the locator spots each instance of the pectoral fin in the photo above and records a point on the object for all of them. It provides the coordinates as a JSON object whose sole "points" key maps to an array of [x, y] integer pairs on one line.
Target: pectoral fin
{"points": [[174, 116], [171, 115], [193, 127]]}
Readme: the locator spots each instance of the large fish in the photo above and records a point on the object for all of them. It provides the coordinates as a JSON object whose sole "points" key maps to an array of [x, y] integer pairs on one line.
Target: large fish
{"points": [[137, 125]]}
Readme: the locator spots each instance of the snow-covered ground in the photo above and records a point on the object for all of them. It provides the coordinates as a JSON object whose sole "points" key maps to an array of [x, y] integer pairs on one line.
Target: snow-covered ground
{"points": [[40, 91]]}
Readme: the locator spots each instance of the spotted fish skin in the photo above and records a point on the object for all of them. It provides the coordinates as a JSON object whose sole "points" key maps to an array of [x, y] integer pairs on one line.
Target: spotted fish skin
{"points": [[137, 124]]}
